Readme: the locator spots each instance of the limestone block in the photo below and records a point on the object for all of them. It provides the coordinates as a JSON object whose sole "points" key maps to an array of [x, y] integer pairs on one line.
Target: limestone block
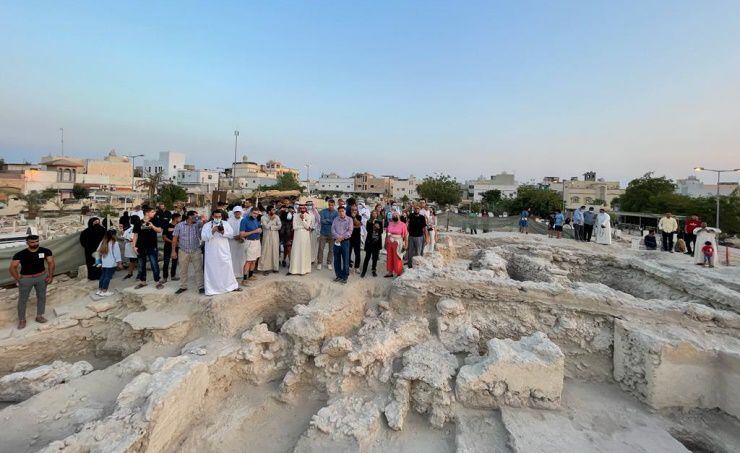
{"points": [[670, 366], [396, 410], [351, 420], [259, 334], [454, 328], [528, 372], [24, 384], [336, 346], [101, 305], [59, 323]]}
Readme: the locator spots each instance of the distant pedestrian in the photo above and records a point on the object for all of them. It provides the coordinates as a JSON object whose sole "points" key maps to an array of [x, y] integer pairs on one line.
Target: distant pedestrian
{"points": [[355, 241], [692, 223], [395, 243], [668, 226], [551, 225], [144, 242], [524, 220], [706, 234], [236, 242], [186, 247], [270, 257], [250, 230], [578, 224], [418, 235], [218, 274], [287, 213], [558, 225], [300, 257], [589, 218], [603, 228], [128, 249], [110, 256], [341, 232], [432, 229], [32, 268]]}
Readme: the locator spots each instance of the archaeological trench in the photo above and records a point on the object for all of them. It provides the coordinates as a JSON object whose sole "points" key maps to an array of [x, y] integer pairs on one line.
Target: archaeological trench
{"points": [[495, 343]]}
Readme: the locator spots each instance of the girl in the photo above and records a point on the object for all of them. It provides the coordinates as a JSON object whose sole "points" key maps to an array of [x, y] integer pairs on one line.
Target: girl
{"points": [[128, 250], [110, 255]]}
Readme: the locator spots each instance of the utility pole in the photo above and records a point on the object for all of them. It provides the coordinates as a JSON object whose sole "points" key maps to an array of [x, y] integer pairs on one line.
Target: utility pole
{"points": [[719, 172], [308, 179], [233, 166], [61, 129]]}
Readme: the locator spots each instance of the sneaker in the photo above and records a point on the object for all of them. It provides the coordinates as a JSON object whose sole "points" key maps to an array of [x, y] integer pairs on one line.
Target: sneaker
{"points": [[106, 293], [237, 290], [330, 267], [375, 274], [343, 281], [175, 279], [180, 290], [337, 279], [98, 292], [140, 285], [40, 319], [160, 285], [318, 268]]}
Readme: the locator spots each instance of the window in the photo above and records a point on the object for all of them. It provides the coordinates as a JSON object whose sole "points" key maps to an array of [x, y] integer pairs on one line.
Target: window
{"points": [[575, 199], [589, 200]]}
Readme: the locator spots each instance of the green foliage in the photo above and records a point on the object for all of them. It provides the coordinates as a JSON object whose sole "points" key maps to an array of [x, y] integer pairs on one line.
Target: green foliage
{"points": [[542, 201], [475, 207], [49, 194], [34, 201], [287, 181], [599, 202], [405, 198], [108, 211], [151, 183], [169, 194], [79, 192], [491, 198], [441, 189], [642, 193]]}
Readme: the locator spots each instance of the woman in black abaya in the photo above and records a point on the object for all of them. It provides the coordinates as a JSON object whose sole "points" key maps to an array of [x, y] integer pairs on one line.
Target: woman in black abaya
{"points": [[90, 239]]}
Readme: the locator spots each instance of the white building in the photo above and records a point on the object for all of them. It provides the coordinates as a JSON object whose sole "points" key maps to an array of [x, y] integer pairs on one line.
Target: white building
{"points": [[169, 163], [503, 181], [332, 182], [694, 187], [207, 180]]}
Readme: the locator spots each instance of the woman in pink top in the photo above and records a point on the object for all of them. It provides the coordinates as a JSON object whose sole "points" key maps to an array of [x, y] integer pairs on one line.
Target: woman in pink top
{"points": [[396, 240]]}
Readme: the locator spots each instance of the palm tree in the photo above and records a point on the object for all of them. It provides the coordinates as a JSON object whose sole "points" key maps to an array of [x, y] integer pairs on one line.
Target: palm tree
{"points": [[152, 182], [34, 201]]}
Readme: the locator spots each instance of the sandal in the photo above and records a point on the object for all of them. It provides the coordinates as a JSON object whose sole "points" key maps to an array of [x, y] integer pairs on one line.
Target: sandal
{"points": [[40, 319]]}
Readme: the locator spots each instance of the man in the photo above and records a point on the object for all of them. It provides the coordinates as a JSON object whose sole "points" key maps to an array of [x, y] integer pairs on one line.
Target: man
{"points": [[418, 235], [186, 248], [559, 222], [578, 221], [603, 226], [424, 210], [138, 212], [247, 207], [340, 204], [144, 242], [341, 231], [589, 218], [167, 250], [667, 226], [315, 228], [36, 271], [326, 220], [218, 274], [691, 224], [524, 221], [162, 217], [250, 230], [651, 242], [270, 258], [364, 212], [300, 256], [236, 242], [287, 212]]}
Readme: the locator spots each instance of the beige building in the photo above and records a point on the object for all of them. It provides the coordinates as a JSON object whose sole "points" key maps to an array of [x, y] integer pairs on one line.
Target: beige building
{"points": [[404, 187], [112, 171], [577, 193], [366, 183]]}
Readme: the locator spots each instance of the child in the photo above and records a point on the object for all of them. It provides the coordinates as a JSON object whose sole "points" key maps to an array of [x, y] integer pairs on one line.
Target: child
{"points": [[128, 250], [651, 243], [110, 256], [708, 252]]}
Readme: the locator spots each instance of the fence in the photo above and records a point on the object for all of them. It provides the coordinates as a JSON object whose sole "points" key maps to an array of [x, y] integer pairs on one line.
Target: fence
{"points": [[66, 250]]}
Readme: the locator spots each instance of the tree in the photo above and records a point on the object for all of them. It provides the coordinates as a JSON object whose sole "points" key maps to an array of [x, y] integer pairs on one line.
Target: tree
{"points": [[542, 201], [34, 201], [599, 202], [405, 198], [49, 193], [151, 183], [491, 198], [287, 181], [108, 211], [59, 203], [169, 194], [441, 189], [641, 193], [79, 192]]}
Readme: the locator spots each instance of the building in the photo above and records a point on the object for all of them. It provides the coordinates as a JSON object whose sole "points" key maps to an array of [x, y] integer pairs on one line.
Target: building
{"points": [[589, 192], [67, 168], [694, 187], [273, 167], [168, 164], [202, 181], [113, 171], [332, 182], [503, 182], [404, 187], [368, 184]]}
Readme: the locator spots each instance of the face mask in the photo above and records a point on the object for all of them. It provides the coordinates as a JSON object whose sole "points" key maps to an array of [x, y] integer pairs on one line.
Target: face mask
{"points": [[217, 222], [289, 216], [395, 219]]}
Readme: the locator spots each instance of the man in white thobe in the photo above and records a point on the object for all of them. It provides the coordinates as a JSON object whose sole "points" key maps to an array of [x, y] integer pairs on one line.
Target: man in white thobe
{"points": [[603, 228], [218, 273], [704, 234], [236, 242], [315, 229]]}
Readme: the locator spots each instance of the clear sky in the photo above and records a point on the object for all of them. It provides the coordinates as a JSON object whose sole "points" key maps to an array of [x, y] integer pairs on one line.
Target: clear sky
{"points": [[393, 87]]}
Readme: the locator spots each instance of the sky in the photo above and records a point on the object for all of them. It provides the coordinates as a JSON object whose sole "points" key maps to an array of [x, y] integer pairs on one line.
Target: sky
{"points": [[538, 88]]}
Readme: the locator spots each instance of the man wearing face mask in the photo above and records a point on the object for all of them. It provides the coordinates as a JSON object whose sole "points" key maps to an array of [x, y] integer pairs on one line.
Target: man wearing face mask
{"points": [[186, 248], [300, 256], [286, 232], [218, 275], [327, 218], [251, 231]]}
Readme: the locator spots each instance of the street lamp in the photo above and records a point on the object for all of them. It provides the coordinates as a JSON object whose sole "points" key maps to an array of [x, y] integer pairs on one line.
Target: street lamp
{"points": [[233, 166], [719, 172], [61, 129], [308, 179], [133, 157]]}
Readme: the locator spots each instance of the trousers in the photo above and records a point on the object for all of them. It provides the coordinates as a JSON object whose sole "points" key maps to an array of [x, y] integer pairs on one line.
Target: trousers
{"points": [[324, 240], [341, 260], [25, 284], [416, 248], [106, 275], [192, 259]]}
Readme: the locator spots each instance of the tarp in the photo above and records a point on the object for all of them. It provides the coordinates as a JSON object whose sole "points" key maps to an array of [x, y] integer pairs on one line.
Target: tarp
{"points": [[66, 250]]}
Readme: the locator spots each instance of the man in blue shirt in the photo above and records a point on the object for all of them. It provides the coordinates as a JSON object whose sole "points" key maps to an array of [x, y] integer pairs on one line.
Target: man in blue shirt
{"points": [[250, 230], [589, 218], [524, 221], [578, 223], [326, 218], [559, 221]]}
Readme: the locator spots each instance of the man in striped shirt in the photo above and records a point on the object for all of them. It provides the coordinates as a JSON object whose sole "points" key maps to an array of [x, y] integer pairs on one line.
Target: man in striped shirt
{"points": [[186, 239]]}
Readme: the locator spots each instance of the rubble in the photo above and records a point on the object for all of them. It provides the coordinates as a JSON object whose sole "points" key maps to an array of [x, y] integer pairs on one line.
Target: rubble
{"points": [[24, 384]]}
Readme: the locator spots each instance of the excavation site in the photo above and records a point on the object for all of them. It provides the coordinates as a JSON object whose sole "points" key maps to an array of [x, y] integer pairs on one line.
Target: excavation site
{"points": [[497, 342]]}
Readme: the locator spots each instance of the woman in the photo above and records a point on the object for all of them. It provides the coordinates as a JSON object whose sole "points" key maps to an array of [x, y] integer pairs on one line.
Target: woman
{"points": [[300, 257], [110, 255], [270, 259], [89, 240], [128, 250], [286, 230], [432, 229], [396, 241], [355, 241], [124, 221], [373, 242]]}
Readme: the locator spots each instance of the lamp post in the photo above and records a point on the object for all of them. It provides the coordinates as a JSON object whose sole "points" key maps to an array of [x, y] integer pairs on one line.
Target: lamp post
{"points": [[308, 179], [719, 172], [61, 129], [233, 166]]}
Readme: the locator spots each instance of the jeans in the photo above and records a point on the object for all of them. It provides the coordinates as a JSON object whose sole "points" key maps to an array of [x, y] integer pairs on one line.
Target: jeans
{"points": [[341, 260], [587, 232], [25, 284], [374, 253], [152, 256], [578, 232], [667, 241], [354, 249], [416, 248], [106, 275], [166, 264]]}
